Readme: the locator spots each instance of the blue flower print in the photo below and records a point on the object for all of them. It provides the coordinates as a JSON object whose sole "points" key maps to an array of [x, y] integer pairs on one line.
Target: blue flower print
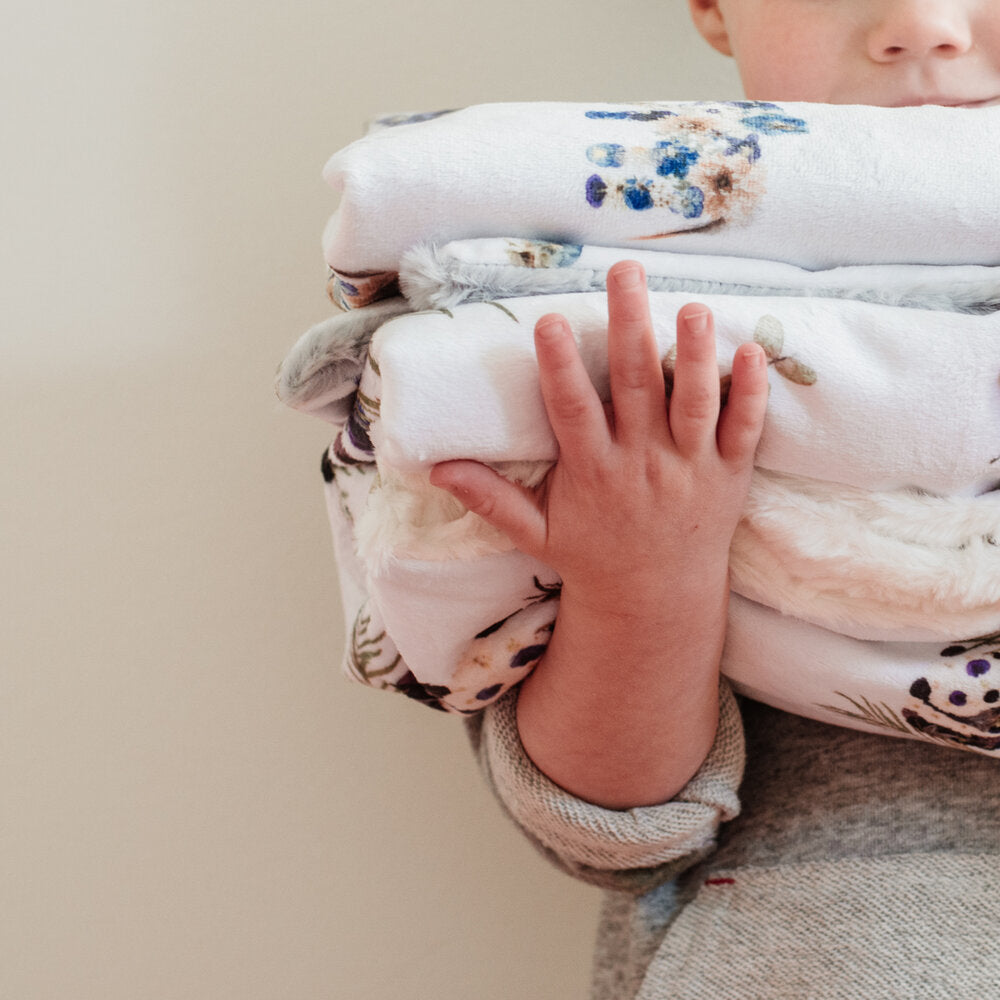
{"points": [[606, 154], [774, 124], [637, 195], [692, 202], [652, 115], [394, 120], [673, 159], [698, 160], [750, 105], [597, 190], [749, 143]]}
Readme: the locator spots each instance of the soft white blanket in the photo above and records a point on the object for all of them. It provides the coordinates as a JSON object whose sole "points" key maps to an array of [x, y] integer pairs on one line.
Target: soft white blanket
{"points": [[866, 571]]}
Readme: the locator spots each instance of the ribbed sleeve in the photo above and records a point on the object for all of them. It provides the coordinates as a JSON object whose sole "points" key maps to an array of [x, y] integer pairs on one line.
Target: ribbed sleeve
{"points": [[629, 849]]}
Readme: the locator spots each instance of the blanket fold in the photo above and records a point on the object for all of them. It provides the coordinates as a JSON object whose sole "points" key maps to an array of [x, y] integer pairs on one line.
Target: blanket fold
{"points": [[866, 569]]}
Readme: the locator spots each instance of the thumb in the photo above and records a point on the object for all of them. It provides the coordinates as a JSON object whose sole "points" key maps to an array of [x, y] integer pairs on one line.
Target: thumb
{"points": [[508, 507]]}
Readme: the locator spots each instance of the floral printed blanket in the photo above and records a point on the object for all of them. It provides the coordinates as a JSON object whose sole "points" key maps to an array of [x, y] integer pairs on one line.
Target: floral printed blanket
{"points": [[866, 571], [817, 186]]}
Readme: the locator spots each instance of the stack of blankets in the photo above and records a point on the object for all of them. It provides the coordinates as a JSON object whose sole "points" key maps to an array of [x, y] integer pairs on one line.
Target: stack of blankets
{"points": [[859, 246]]}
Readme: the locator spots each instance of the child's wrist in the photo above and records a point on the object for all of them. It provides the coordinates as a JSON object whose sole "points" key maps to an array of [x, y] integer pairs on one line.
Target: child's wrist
{"points": [[645, 596]]}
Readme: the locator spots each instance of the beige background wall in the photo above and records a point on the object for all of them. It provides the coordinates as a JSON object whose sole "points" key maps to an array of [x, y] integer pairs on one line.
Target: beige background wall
{"points": [[193, 804]]}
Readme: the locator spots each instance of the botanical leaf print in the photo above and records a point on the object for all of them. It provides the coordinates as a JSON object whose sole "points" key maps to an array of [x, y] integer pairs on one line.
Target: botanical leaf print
{"points": [[770, 334], [537, 253], [441, 309], [880, 715], [795, 371], [503, 309], [365, 652], [955, 703]]}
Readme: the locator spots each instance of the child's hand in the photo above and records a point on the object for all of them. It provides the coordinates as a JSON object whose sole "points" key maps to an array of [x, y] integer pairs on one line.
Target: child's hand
{"points": [[636, 516], [644, 486]]}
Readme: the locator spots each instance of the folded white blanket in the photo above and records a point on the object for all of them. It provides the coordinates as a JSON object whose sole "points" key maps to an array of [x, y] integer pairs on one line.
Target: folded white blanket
{"points": [[865, 561], [463, 383], [808, 184]]}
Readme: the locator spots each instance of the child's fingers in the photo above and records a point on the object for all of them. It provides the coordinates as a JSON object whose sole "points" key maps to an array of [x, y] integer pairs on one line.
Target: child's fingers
{"points": [[694, 402], [499, 502], [742, 419], [633, 359], [574, 409]]}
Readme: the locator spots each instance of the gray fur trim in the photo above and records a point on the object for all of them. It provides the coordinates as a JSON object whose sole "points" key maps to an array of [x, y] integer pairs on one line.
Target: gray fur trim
{"points": [[325, 364], [321, 371], [431, 279]]}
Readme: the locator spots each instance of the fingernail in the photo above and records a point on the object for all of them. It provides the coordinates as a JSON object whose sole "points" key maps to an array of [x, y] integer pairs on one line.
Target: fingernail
{"points": [[697, 322], [549, 326], [628, 277], [457, 490]]}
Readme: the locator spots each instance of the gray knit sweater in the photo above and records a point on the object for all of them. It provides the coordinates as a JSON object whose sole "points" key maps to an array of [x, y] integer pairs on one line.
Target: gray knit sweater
{"points": [[848, 867]]}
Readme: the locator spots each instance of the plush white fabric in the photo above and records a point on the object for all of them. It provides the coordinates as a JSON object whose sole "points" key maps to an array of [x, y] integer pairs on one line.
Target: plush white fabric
{"points": [[460, 631]]}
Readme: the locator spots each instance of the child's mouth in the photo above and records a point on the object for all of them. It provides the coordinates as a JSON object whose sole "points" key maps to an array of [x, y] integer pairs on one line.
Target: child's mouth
{"points": [[947, 102]]}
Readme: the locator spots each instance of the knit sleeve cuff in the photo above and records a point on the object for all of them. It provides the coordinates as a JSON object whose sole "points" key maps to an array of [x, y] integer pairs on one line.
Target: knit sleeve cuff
{"points": [[603, 845]]}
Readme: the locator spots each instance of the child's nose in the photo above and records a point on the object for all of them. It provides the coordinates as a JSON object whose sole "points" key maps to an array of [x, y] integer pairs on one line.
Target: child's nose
{"points": [[908, 29]]}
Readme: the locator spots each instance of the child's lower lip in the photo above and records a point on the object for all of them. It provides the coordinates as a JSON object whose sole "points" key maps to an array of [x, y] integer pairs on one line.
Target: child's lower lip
{"points": [[975, 104], [944, 102]]}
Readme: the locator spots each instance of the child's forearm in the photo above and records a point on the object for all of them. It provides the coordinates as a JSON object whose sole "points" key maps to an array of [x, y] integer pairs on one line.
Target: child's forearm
{"points": [[636, 516], [623, 708]]}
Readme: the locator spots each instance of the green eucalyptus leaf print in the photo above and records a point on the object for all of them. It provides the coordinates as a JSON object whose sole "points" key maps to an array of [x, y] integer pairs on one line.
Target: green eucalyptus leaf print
{"points": [[871, 713], [370, 657], [795, 371], [503, 309], [770, 334]]}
